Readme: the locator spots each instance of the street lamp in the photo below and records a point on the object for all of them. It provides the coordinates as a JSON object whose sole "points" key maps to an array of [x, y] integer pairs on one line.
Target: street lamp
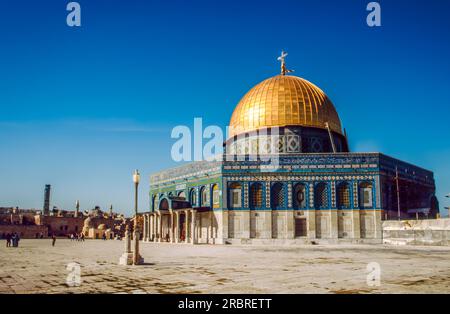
{"points": [[129, 257], [136, 179], [448, 208], [137, 259]]}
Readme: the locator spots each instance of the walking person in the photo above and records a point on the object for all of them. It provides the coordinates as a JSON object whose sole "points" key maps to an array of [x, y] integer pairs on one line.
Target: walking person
{"points": [[53, 239], [13, 239], [8, 240], [17, 239]]}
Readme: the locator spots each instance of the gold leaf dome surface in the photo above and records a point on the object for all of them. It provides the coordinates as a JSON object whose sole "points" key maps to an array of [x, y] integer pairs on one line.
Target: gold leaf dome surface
{"points": [[284, 100]]}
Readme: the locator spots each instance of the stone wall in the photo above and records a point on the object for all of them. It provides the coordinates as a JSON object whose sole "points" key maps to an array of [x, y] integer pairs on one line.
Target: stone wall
{"points": [[25, 231], [417, 232], [62, 226]]}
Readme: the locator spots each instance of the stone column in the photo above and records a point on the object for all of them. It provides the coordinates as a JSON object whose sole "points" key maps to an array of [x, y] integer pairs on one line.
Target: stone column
{"points": [[177, 227], [161, 237], [150, 227], [153, 235], [211, 226], [127, 241], [186, 230], [193, 235], [137, 258], [156, 230], [144, 235], [159, 227], [127, 256], [171, 232]]}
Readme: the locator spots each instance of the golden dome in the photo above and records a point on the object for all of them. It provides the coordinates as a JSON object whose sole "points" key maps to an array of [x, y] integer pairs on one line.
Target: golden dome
{"points": [[284, 100]]}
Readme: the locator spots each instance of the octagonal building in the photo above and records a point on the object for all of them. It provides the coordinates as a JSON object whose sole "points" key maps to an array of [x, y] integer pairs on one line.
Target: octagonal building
{"points": [[286, 176]]}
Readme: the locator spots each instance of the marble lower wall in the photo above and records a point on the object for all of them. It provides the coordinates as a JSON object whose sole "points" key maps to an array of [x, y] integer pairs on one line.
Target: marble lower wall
{"points": [[307, 224], [417, 232]]}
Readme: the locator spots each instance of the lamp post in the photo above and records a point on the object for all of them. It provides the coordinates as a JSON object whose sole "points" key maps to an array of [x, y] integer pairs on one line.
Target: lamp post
{"points": [[133, 257], [398, 193], [448, 207], [137, 259]]}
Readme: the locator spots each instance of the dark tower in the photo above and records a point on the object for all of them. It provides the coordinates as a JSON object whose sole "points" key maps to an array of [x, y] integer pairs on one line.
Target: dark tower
{"points": [[47, 200]]}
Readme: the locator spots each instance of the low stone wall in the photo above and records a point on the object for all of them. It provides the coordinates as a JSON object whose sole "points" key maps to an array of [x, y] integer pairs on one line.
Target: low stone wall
{"points": [[417, 232], [24, 231]]}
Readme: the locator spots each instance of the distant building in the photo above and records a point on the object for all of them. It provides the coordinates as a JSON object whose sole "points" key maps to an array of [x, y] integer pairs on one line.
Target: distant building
{"points": [[32, 223]]}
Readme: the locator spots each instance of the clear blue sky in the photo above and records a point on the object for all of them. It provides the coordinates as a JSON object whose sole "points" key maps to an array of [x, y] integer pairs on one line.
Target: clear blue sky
{"points": [[80, 108]]}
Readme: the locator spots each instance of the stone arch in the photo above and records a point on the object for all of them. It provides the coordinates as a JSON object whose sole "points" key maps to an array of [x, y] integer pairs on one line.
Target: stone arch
{"points": [[215, 192], [164, 204], [193, 197], [182, 194], [204, 197]]}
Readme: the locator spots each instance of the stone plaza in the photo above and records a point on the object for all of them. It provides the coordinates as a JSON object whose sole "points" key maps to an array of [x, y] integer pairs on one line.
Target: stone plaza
{"points": [[37, 267]]}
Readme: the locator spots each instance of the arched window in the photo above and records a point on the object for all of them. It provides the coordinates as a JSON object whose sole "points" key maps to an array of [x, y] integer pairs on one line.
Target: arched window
{"points": [[181, 194], [164, 204], [170, 194], [193, 197], [321, 195], [343, 195], [277, 196], [235, 193], [153, 205], [299, 196], [216, 196], [365, 195], [256, 195], [204, 197]]}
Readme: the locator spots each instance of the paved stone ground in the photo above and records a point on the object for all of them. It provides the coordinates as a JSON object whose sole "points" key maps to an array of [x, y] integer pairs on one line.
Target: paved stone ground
{"points": [[37, 267]]}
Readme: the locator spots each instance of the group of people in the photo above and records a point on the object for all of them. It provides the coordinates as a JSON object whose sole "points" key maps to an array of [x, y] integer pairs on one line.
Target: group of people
{"points": [[77, 237], [12, 239]]}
